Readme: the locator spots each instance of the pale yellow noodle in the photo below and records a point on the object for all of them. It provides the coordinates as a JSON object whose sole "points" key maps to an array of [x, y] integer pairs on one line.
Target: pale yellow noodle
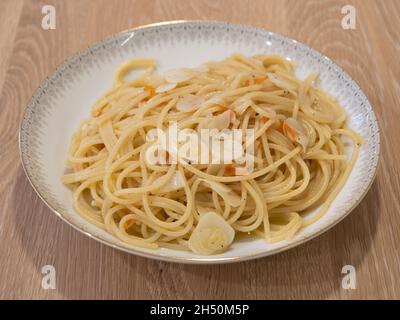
{"points": [[117, 189]]}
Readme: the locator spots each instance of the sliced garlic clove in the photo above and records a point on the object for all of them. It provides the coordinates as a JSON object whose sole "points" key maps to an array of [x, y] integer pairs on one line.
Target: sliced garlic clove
{"points": [[220, 122], [165, 87], [203, 210], [189, 102], [156, 80], [296, 132], [178, 75], [215, 99], [211, 235]]}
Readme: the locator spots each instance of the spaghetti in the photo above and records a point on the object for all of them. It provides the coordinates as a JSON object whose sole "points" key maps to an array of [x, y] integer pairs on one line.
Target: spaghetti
{"points": [[299, 155]]}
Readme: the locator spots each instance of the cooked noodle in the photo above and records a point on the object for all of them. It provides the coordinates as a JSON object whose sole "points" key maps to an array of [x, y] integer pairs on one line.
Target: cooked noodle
{"points": [[299, 155]]}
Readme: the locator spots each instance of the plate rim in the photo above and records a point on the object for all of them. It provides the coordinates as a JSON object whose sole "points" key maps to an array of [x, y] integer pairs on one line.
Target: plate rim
{"points": [[194, 260]]}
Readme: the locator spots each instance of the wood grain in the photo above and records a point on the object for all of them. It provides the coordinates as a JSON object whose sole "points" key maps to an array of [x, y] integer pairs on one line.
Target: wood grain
{"points": [[31, 236]]}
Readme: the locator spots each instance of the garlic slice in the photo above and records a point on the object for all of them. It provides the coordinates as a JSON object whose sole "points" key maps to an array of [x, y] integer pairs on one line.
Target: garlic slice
{"points": [[203, 210], [178, 75], [165, 87], [215, 99], [189, 102], [220, 122], [296, 132], [211, 235]]}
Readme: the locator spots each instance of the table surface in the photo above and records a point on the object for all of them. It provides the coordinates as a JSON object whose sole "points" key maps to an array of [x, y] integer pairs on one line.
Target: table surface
{"points": [[31, 236]]}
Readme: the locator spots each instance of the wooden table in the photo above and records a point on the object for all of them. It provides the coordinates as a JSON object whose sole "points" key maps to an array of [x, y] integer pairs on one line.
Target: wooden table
{"points": [[31, 236]]}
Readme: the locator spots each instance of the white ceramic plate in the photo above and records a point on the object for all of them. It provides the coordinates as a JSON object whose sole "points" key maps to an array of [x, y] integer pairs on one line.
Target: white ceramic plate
{"points": [[65, 98]]}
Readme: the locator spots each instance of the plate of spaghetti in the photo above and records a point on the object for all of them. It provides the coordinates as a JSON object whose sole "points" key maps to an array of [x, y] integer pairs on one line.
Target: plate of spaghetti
{"points": [[200, 142]]}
